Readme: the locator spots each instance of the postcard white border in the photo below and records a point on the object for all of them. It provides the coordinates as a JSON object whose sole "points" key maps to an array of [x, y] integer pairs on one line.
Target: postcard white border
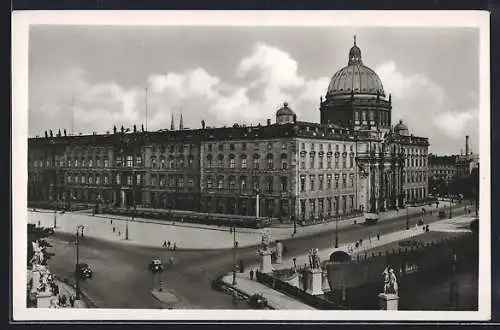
{"points": [[21, 22]]}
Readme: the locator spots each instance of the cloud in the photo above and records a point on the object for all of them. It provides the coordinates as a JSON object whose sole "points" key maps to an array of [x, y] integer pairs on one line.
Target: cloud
{"points": [[427, 109], [261, 81], [454, 124]]}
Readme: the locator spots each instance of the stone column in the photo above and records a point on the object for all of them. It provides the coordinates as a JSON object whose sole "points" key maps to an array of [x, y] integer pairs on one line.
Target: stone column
{"points": [[257, 205], [388, 301]]}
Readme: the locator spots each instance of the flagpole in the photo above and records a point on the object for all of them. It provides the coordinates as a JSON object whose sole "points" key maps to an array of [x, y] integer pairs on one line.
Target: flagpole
{"points": [[146, 100]]}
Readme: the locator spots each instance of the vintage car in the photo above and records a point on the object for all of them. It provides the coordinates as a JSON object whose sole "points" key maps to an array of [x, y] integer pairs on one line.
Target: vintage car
{"points": [[258, 301], [83, 270]]}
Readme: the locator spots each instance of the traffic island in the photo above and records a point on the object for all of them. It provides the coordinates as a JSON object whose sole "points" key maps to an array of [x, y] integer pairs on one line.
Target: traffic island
{"points": [[167, 297]]}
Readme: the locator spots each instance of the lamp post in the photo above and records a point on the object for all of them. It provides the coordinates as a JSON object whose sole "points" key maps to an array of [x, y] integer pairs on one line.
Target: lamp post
{"points": [[55, 214], [407, 216], [77, 273], [234, 254], [451, 202], [337, 216]]}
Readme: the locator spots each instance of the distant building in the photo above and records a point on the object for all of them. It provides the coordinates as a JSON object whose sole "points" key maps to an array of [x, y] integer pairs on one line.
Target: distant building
{"points": [[353, 161], [443, 170]]}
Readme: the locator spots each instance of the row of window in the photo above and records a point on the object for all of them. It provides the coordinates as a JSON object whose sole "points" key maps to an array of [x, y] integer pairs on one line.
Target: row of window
{"points": [[180, 148], [327, 205], [321, 182], [243, 163], [364, 116], [411, 177], [328, 147], [413, 161], [321, 163], [241, 183], [104, 179], [244, 146], [177, 162]]}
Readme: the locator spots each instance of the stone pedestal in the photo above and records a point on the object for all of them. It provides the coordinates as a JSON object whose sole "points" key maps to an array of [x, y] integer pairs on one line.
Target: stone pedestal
{"points": [[43, 299], [265, 262], [314, 281], [388, 301]]}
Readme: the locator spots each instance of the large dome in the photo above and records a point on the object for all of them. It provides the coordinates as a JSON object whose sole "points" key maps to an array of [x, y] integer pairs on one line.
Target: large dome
{"points": [[355, 77]]}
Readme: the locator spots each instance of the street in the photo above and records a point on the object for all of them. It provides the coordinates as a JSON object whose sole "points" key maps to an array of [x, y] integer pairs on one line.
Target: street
{"points": [[122, 280]]}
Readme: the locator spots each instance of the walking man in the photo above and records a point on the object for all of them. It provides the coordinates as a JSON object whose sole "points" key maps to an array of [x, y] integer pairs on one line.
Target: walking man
{"points": [[168, 245], [164, 244], [114, 229], [251, 274], [378, 236], [175, 246]]}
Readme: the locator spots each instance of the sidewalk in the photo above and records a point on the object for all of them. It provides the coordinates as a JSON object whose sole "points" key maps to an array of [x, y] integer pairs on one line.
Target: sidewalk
{"points": [[251, 287], [275, 299], [152, 233]]}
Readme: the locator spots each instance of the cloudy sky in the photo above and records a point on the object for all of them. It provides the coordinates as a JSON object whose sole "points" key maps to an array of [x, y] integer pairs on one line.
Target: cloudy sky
{"points": [[242, 74]]}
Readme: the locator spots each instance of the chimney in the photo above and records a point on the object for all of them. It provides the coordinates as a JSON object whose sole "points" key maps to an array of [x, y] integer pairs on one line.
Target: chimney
{"points": [[181, 125], [172, 127], [269, 122], [467, 145]]}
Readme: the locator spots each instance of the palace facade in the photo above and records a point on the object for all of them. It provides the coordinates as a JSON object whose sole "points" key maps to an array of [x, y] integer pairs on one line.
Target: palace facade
{"points": [[354, 160]]}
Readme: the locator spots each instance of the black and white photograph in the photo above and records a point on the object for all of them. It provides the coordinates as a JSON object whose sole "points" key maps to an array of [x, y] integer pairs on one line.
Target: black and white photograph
{"points": [[251, 166]]}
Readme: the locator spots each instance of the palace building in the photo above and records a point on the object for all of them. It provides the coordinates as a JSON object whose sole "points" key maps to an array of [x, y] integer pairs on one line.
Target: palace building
{"points": [[353, 161]]}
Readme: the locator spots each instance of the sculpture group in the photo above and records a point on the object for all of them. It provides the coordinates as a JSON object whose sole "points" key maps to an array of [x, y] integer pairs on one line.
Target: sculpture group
{"points": [[390, 281]]}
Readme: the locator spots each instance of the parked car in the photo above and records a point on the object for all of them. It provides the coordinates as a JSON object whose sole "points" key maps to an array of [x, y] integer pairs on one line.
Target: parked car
{"points": [[83, 270], [156, 266], [258, 301]]}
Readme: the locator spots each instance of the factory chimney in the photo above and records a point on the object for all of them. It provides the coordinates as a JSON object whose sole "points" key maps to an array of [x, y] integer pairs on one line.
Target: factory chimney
{"points": [[467, 145]]}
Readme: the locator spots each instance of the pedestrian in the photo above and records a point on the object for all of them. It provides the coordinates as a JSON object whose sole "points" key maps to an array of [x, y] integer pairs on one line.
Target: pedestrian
{"points": [[356, 245], [56, 290], [397, 209], [378, 236], [175, 246], [251, 274], [360, 241], [38, 223], [114, 229], [63, 300], [119, 233], [111, 221], [168, 245], [72, 301], [164, 244]]}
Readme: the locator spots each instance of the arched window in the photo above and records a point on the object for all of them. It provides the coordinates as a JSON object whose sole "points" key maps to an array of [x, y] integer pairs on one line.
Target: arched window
{"points": [[209, 161], [284, 162], [243, 161], [232, 161], [220, 162], [162, 162], [153, 162], [256, 161], [270, 161]]}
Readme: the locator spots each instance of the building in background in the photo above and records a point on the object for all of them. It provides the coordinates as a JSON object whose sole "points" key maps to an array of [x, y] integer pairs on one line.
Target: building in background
{"points": [[447, 174], [353, 161]]}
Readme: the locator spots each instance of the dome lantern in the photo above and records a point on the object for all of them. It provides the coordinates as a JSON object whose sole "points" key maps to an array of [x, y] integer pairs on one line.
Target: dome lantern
{"points": [[355, 55]]}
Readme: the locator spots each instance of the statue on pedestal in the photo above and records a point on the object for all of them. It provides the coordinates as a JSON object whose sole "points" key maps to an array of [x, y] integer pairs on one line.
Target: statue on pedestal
{"points": [[390, 281], [38, 254], [314, 260], [264, 243]]}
